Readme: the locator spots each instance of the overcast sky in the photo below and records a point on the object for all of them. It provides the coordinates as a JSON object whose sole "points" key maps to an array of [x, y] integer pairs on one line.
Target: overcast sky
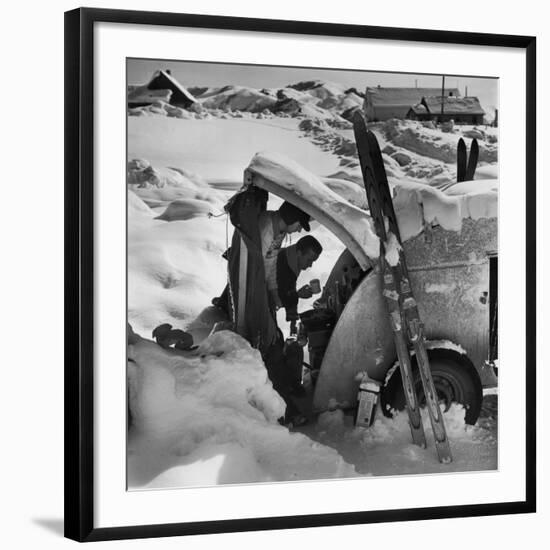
{"points": [[191, 73]]}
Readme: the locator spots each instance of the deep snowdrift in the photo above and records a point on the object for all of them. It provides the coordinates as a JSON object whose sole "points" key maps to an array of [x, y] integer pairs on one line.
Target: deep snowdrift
{"points": [[210, 417], [174, 268]]}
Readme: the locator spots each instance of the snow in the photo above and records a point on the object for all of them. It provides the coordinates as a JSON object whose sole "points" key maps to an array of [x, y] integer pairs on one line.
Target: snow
{"points": [[174, 268], [423, 139], [162, 185], [416, 204], [185, 209], [445, 344], [239, 98], [317, 99], [386, 447], [221, 149], [209, 416], [392, 250], [348, 190]]}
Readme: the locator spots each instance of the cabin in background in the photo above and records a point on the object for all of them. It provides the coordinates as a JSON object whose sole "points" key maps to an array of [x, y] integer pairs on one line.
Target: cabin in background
{"points": [[162, 87], [384, 103], [462, 110]]}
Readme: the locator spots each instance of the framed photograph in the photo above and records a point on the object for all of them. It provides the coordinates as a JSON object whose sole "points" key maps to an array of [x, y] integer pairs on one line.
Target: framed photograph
{"points": [[300, 274]]}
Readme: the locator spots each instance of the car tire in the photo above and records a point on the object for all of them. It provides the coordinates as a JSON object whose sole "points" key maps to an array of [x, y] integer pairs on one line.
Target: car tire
{"points": [[455, 378]]}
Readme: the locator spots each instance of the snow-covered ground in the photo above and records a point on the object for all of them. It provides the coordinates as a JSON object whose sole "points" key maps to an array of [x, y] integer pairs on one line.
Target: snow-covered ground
{"points": [[209, 416]]}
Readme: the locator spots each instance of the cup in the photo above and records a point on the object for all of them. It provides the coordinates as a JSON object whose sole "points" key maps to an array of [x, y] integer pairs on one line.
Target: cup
{"points": [[315, 286]]}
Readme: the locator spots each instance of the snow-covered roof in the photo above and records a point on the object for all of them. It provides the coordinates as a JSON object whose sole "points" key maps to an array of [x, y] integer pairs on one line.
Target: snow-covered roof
{"points": [[404, 96], [454, 105], [285, 178], [163, 75]]}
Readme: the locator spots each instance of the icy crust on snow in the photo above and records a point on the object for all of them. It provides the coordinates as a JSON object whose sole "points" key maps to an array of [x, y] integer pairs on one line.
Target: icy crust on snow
{"points": [[210, 417], [417, 204], [293, 182]]}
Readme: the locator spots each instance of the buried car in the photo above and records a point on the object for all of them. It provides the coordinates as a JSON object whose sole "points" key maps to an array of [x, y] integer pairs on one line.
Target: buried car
{"points": [[450, 243]]}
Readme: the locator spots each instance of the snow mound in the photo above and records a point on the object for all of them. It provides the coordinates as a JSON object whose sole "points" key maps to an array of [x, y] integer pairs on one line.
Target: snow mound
{"points": [[210, 418], [329, 95], [487, 172], [142, 173], [475, 187], [433, 143], [185, 209], [323, 100], [307, 108], [158, 186], [174, 269], [417, 204], [240, 98], [298, 95], [135, 204]]}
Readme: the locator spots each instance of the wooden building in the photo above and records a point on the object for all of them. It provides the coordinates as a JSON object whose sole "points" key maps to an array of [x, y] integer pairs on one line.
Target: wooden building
{"points": [[163, 86], [383, 103], [462, 110]]}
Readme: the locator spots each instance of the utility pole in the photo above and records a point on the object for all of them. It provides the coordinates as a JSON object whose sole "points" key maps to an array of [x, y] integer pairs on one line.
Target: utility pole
{"points": [[442, 97]]}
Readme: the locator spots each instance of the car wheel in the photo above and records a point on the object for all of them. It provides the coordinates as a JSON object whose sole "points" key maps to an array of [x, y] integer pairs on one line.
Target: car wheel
{"points": [[455, 378]]}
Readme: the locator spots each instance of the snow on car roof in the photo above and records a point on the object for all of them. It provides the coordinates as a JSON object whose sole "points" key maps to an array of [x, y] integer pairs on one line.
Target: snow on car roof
{"points": [[416, 204]]}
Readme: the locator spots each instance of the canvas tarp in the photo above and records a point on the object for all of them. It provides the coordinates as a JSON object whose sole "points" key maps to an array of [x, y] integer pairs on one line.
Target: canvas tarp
{"points": [[247, 288]]}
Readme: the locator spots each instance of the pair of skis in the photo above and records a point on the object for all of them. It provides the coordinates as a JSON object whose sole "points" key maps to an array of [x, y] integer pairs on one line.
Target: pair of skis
{"points": [[466, 164], [402, 307]]}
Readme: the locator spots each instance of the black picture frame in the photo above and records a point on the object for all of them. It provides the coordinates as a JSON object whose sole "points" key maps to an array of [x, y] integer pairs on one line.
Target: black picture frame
{"points": [[79, 269]]}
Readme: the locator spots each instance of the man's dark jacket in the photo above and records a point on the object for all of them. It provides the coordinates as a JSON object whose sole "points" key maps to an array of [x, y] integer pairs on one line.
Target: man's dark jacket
{"points": [[286, 283]]}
